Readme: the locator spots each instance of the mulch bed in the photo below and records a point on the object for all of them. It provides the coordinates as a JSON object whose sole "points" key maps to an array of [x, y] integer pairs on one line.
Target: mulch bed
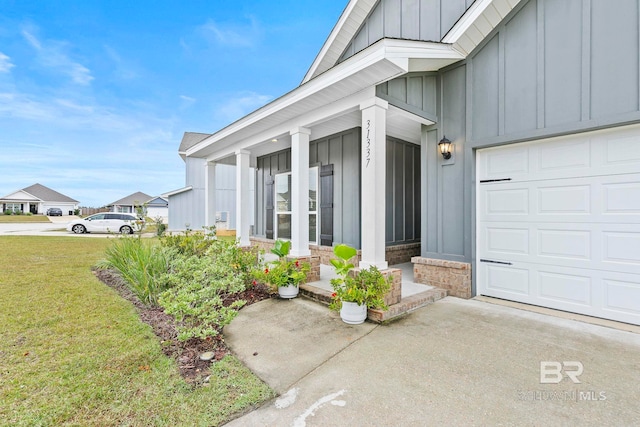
{"points": [[186, 353]]}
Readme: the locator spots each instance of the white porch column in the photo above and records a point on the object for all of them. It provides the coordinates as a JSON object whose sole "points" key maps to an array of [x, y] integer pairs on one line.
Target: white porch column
{"points": [[300, 192], [374, 140], [242, 197], [209, 194]]}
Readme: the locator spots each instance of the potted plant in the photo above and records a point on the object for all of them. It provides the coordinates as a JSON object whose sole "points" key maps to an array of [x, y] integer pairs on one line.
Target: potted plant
{"points": [[354, 293], [283, 275]]}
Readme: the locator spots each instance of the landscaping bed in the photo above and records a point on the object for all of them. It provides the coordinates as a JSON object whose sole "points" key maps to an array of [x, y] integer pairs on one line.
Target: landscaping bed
{"points": [[186, 353]]}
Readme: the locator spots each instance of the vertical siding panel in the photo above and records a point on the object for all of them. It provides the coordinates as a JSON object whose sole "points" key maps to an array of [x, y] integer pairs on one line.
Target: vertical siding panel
{"points": [[323, 152], [351, 156], [410, 19], [562, 61], [451, 179], [485, 84], [520, 70], [361, 40], [398, 89], [409, 209], [376, 24], [431, 193], [450, 12], [340, 182], [417, 193], [614, 29], [392, 19], [390, 200], [430, 90], [415, 91], [398, 192], [430, 20]]}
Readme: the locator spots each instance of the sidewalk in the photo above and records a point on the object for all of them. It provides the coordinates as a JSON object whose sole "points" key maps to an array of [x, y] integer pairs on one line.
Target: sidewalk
{"points": [[455, 362]]}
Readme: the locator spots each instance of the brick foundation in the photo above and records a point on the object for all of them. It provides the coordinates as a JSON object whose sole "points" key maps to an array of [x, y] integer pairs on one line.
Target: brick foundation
{"points": [[393, 254], [400, 254], [453, 276]]}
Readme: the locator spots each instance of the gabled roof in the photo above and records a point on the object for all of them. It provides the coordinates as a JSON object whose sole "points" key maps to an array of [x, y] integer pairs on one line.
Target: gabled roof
{"points": [[472, 27], [44, 194], [158, 202], [189, 139], [132, 199]]}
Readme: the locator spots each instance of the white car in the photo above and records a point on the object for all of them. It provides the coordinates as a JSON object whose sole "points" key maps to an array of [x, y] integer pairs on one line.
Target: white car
{"points": [[106, 222]]}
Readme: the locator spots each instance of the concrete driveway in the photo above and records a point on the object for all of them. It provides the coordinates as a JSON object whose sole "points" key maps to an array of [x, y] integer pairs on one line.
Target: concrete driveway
{"points": [[456, 362]]}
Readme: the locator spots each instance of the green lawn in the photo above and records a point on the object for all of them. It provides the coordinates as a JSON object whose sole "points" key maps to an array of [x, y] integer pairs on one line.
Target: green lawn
{"points": [[23, 218], [72, 352]]}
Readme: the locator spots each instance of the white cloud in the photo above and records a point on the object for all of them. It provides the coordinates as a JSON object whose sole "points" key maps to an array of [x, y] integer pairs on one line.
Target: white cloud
{"points": [[5, 63], [52, 55], [232, 35], [240, 106]]}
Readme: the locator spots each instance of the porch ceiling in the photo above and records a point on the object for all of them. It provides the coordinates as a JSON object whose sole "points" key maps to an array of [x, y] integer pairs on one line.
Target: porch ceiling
{"points": [[330, 102]]}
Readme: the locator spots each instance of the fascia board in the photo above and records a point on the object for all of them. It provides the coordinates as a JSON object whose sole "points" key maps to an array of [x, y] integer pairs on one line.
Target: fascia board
{"points": [[363, 60], [174, 192], [354, 14]]}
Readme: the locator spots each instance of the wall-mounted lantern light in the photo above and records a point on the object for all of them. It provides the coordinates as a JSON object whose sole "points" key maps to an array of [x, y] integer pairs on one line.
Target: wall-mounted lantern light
{"points": [[445, 148]]}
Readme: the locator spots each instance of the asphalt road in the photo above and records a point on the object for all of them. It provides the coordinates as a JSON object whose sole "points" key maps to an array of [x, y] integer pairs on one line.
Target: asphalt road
{"points": [[57, 227]]}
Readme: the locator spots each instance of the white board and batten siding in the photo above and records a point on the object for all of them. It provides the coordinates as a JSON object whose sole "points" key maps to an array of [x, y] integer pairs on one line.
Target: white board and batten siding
{"points": [[558, 223]]}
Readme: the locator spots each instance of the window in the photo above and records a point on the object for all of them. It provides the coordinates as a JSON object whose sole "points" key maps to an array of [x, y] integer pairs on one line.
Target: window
{"points": [[283, 205], [13, 207], [313, 205]]}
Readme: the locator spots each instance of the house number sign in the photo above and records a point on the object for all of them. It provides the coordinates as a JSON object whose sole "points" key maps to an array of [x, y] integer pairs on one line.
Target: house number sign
{"points": [[368, 156]]}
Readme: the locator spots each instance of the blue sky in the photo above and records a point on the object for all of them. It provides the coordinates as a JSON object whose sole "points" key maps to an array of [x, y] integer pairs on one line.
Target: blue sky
{"points": [[95, 95]]}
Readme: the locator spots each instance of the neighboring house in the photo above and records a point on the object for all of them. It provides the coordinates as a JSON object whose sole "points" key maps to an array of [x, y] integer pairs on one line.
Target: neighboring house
{"points": [[187, 204], [130, 203], [158, 207], [36, 199], [539, 199]]}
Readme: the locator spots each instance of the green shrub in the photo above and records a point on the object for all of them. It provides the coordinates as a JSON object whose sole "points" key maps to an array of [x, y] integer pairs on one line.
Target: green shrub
{"points": [[190, 243], [142, 264], [199, 286]]}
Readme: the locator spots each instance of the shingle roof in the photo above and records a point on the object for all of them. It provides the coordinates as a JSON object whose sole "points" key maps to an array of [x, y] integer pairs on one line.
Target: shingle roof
{"points": [[189, 139], [132, 199], [47, 195]]}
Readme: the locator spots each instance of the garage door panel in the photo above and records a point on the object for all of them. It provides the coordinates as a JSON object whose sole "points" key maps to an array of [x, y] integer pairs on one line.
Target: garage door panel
{"points": [[564, 157], [621, 247], [506, 281], [506, 241], [622, 197], [564, 244], [622, 296], [567, 199], [507, 201], [564, 288], [558, 223]]}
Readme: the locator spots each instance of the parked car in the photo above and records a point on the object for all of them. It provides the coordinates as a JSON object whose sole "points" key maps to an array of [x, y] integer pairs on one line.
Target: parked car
{"points": [[106, 222], [54, 212]]}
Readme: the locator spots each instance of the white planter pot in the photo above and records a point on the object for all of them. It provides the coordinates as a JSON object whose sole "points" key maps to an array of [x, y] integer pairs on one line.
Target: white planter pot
{"points": [[352, 313], [288, 292]]}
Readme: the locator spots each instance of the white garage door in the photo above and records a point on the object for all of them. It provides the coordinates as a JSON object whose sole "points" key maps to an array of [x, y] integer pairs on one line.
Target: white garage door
{"points": [[558, 223]]}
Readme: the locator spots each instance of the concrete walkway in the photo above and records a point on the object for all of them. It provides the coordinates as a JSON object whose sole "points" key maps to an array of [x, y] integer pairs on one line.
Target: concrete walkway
{"points": [[455, 362]]}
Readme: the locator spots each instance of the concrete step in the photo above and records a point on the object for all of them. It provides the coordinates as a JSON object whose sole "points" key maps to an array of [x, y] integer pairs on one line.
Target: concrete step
{"points": [[406, 305]]}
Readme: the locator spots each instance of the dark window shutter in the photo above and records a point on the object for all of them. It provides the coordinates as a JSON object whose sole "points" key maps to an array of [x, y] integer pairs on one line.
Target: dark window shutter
{"points": [[326, 205], [269, 205]]}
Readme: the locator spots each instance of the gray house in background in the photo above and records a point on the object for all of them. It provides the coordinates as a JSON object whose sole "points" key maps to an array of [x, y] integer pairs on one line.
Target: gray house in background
{"points": [[37, 199], [495, 142], [187, 204]]}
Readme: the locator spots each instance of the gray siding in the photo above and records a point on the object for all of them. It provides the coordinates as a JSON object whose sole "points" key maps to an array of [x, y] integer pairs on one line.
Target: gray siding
{"points": [[553, 66], [427, 20], [341, 150], [414, 92], [402, 192]]}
